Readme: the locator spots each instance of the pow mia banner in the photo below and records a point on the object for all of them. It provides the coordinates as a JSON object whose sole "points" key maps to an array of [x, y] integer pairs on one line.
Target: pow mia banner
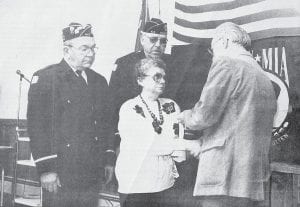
{"points": [[280, 59]]}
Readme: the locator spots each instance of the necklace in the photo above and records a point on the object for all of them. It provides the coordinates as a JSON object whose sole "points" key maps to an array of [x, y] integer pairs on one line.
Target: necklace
{"points": [[156, 123]]}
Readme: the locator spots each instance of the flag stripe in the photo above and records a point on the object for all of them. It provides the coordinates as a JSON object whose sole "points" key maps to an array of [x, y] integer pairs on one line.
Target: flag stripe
{"points": [[215, 6], [254, 36], [177, 42], [235, 13], [283, 22], [189, 39], [240, 20], [202, 2], [284, 32]]}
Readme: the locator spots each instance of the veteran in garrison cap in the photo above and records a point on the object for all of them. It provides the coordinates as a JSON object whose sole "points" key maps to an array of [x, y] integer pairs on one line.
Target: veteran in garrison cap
{"points": [[69, 124], [123, 85]]}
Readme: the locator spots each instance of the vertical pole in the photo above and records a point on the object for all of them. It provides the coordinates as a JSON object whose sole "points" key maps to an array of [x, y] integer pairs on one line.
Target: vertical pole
{"points": [[15, 146], [41, 197], [2, 186], [159, 11]]}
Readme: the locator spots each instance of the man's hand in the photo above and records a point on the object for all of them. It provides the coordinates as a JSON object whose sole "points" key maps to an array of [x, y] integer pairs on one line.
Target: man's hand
{"points": [[50, 181], [109, 172], [194, 146]]}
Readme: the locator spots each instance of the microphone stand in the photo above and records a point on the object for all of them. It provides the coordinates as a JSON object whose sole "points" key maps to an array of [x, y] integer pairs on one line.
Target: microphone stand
{"points": [[15, 144]]}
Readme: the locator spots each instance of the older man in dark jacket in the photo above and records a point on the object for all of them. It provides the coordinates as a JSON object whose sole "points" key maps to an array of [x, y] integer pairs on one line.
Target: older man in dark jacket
{"points": [[68, 123]]}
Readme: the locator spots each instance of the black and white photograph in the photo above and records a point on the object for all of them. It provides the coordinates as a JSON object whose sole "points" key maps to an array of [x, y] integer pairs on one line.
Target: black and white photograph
{"points": [[150, 103]]}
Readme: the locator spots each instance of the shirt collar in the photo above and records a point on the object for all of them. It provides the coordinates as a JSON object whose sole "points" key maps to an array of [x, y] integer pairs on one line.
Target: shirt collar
{"points": [[83, 74], [74, 70]]}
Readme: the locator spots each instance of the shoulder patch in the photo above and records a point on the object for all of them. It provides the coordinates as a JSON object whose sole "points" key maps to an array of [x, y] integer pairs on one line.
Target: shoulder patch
{"points": [[114, 67], [34, 79]]}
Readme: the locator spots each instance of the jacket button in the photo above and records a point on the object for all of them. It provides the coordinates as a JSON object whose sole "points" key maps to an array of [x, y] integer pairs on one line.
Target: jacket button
{"points": [[68, 145]]}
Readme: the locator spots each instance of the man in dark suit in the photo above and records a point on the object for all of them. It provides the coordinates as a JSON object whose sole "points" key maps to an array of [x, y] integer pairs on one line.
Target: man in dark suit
{"points": [[68, 124]]}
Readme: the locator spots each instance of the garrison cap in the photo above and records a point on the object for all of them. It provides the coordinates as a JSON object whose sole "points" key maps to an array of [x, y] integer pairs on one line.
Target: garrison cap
{"points": [[75, 30], [155, 26]]}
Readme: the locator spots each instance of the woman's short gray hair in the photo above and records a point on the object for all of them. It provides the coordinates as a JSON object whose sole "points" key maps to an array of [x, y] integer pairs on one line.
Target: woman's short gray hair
{"points": [[234, 33], [145, 64]]}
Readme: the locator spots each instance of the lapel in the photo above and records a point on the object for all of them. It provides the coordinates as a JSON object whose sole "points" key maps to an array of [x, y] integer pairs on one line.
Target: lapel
{"points": [[67, 75], [91, 79], [69, 86]]}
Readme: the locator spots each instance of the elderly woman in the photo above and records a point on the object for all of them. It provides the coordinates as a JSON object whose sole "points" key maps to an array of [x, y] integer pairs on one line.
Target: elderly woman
{"points": [[145, 167]]}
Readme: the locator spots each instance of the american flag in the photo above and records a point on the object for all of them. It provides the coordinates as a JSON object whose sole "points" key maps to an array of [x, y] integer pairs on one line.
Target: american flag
{"points": [[195, 20]]}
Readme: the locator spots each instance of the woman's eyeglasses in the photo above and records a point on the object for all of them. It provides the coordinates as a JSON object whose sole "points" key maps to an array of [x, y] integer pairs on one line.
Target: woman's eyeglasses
{"points": [[157, 77]]}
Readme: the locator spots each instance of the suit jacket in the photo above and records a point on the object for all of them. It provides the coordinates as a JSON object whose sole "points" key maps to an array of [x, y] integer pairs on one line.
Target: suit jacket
{"points": [[68, 123], [235, 112]]}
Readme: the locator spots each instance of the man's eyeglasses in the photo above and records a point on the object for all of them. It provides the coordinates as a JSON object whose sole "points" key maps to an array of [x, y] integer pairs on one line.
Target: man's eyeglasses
{"points": [[157, 77], [85, 49], [162, 41]]}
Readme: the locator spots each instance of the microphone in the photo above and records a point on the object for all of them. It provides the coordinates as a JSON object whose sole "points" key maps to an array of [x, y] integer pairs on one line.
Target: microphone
{"points": [[22, 76]]}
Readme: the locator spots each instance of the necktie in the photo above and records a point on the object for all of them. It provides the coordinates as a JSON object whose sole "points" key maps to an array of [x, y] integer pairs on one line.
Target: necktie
{"points": [[80, 78]]}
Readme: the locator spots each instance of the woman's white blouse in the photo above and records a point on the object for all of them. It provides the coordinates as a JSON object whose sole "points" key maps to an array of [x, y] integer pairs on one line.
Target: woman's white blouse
{"points": [[145, 163]]}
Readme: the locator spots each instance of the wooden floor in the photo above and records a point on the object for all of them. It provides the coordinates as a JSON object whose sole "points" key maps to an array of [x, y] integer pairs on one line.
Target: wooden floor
{"points": [[104, 200], [285, 189]]}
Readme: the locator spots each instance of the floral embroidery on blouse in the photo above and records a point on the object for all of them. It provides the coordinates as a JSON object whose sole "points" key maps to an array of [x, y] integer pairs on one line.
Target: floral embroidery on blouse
{"points": [[139, 110], [168, 108]]}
